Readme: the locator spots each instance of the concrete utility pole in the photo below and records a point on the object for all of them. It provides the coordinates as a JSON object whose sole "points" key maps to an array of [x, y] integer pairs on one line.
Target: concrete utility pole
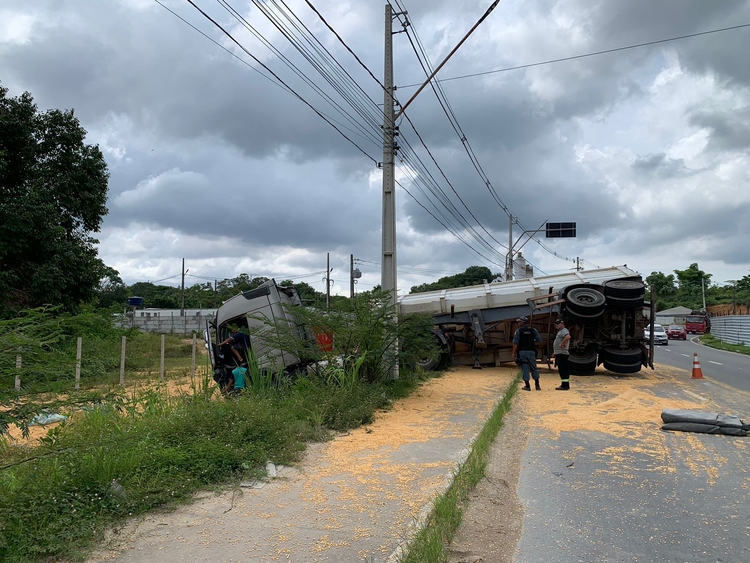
{"points": [[351, 276], [182, 292], [328, 280], [509, 263], [388, 265]]}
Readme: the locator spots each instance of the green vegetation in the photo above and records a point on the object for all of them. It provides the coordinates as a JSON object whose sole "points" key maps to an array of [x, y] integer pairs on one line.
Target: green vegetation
{"points": [[135, 452], [54, 191], [687, 288], [431, 542], [473, 275], [713, 342]]}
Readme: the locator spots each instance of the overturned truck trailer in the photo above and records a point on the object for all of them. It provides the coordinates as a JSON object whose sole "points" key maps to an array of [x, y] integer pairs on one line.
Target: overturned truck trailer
{"points": [[605, 310]]}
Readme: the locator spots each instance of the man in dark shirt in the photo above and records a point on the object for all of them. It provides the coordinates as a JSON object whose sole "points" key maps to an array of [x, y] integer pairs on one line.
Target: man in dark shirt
{"points": [[524, 350], [240, 342]]}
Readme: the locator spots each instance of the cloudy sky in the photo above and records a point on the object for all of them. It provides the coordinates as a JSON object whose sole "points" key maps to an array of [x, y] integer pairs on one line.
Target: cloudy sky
{"points": [[214, 160]]}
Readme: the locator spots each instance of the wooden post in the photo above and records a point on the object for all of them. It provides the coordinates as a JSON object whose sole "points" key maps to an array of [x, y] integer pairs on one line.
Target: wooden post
{"points": [[161, 366], [192, 368], [18, 372], [78, 363], [122, 362]]}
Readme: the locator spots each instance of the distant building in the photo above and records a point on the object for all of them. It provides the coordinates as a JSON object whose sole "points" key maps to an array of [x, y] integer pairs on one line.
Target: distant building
{"points": [[673, 316]]}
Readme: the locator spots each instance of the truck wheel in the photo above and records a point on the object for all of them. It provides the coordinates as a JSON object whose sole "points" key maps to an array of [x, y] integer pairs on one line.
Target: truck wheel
{"points": [[625, 302], [617, 367], [622, 356], [582, 362], [624, 288], [585, 301], [576, 319], [566, 290]]}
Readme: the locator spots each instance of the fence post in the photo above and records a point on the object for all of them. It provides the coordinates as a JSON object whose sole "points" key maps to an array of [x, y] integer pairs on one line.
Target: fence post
{"points": [[18, 372], [78, 363], [122, 362], [192, 367], [161, 366]]}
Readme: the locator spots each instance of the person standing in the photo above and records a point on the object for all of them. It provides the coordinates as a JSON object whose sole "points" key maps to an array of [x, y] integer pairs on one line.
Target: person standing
{"points": [[562, 352], [524, 350]]}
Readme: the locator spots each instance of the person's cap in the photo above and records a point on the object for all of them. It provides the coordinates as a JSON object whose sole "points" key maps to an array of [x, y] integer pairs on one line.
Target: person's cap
{"points": [[522, 320], [558, 321]]}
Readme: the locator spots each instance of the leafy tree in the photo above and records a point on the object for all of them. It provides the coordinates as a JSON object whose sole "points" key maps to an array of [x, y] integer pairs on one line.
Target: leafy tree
{"points": [[473, 275], [691, 282], [112, 290], [53, 191]]}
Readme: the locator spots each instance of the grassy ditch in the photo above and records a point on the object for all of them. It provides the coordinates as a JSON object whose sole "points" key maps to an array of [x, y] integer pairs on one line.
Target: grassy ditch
{"points": [[713, 342], [431, 542], [139, 451]]}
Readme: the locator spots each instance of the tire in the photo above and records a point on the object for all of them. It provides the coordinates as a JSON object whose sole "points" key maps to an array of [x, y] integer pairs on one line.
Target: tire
{"points": [[625, 302], [575, 319], [582, 363], [619, 356], [429, 363], [564, 292], [625, 288], [617, 367], [585, 301]]}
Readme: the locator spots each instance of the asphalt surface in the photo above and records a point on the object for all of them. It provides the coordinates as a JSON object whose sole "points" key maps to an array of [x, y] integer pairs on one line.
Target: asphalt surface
{"points": [[638, 493]]}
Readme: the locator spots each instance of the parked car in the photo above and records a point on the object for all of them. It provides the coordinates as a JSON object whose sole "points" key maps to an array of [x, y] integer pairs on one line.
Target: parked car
{"points": [[676, 332], [660, 335]]}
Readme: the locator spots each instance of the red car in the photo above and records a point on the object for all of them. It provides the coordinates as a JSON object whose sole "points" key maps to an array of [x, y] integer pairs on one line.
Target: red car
{"points": [[676, 332]]}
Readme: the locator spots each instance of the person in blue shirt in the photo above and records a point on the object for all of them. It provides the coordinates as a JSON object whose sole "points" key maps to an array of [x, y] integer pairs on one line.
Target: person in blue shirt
{"points": [[238, 381], [239, 342]]}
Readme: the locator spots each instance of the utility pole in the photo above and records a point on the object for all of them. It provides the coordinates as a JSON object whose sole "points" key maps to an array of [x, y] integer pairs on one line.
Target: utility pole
{"points": [[182, 293], [351, 276], [328, 280], [216, 284], [388, 273], [509, 263]]}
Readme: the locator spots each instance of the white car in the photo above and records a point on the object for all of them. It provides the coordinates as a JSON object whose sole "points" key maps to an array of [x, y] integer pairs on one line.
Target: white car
{"points": [[660, 335]]}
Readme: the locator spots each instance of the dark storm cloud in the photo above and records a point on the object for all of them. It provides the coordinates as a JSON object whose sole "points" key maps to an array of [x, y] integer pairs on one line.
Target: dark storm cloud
{"points": [[660, 165], [730, 130]]}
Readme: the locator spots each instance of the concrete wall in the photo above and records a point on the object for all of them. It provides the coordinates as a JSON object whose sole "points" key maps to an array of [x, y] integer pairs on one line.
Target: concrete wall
{"points": [[732, 329], [169, 323]]}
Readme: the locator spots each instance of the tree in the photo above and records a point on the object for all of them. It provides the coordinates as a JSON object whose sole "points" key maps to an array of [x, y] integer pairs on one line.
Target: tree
{"points": [[53, 191], [691, 282], [473, 275]]}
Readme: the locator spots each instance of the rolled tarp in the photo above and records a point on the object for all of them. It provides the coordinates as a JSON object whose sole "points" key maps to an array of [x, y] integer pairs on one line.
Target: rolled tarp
{"points": [[704, 422]]}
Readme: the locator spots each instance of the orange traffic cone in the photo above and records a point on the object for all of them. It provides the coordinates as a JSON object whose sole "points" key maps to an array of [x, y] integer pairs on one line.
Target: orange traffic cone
{"points": [[697, 371]]}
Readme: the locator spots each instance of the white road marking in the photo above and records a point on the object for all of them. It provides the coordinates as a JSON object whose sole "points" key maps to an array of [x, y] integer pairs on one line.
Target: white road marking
{"points": [[717, 363], [686, 355]]}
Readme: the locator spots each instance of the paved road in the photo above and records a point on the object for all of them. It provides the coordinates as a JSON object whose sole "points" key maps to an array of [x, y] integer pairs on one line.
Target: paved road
{"points": [[601, 482], [720, 365]]}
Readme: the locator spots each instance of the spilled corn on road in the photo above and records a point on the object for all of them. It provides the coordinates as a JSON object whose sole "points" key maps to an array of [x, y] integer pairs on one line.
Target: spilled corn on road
{"points": [[597, 480]]}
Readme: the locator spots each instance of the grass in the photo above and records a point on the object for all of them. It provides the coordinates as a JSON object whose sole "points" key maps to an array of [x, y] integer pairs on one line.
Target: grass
{"points": [[149, 448], [712, 342], [431, 542]]}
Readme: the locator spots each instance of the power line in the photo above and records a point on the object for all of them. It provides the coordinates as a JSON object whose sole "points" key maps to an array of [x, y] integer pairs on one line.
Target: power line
{"points": [[595, 53], [295, 94]]}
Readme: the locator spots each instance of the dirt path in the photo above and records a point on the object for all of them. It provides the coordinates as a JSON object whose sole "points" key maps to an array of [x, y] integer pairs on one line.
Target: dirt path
{"points": [[355, 498]]}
